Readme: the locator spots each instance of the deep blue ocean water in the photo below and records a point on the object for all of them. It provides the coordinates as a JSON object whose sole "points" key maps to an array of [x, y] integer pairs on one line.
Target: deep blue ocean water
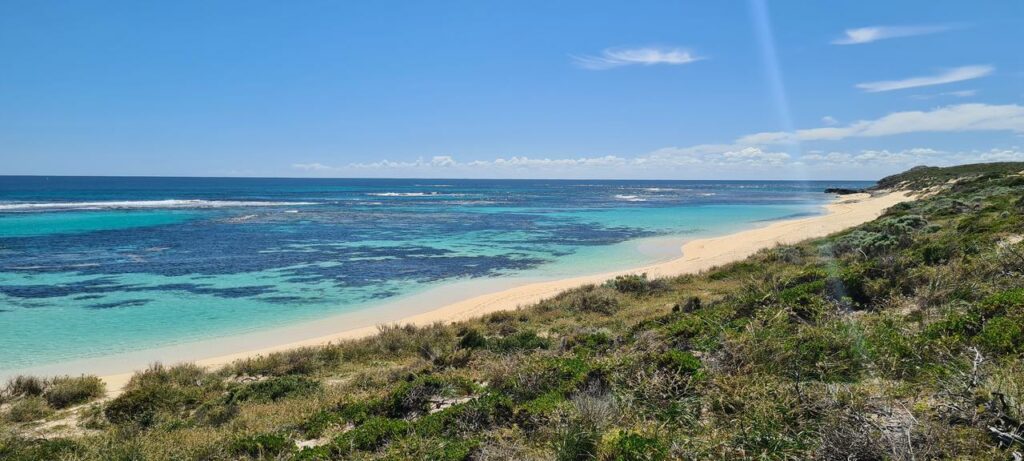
{"points": [[95, 266]]}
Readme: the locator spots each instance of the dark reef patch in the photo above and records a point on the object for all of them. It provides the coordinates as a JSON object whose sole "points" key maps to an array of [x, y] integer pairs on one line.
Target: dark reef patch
{"points": [[116, 304]]}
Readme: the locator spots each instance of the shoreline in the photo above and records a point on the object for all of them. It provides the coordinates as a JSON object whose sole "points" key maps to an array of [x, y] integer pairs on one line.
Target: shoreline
{"points": [[465, 300]]}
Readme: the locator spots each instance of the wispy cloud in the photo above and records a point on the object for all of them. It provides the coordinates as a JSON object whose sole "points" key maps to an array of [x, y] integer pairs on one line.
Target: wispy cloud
{"points": [[957, 74], [863, 35], [955, 118], [954, 94], [648, 56], [906, 158]]}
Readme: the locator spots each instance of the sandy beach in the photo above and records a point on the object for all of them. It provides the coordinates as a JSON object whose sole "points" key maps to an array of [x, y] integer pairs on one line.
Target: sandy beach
{"points": [[697, 255]]}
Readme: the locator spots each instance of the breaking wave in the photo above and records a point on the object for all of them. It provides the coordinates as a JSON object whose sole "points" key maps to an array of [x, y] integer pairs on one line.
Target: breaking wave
{"points": [[141, 204]]}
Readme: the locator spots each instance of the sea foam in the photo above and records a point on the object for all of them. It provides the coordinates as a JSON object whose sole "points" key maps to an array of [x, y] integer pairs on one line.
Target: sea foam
{"points": [[141, 204]]}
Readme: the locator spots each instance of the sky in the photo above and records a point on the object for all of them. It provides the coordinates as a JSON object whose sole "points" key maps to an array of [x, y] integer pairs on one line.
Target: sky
{"points": [[495, 89]]}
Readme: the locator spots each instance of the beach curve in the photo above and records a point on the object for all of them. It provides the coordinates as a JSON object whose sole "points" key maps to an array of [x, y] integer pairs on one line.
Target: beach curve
{"points": [[697, 255]]}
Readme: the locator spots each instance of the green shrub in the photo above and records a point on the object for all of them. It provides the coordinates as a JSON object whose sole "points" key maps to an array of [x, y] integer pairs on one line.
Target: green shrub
{"points": [[273, 389], [410, 397], [805, 299], [936, 253], [901, 225], [472, 417], [370, 435], [519, 341], [215, 413], [472, 339], [316, 425], [803, 294], [1011, 301], [66, 391], [577, 443], [451, 450], [586, 299], [736, 270], [594, 341], [501, 317], [143, 406], [691, 304], [92, 417], [184, 375], [679, 362], [637, 285], [852, 283], [1002, 335], [635, 447], [539, 375], [261, 446], [303, 361], [20, 449], [827, 353], [27, 409], [687, 326], [892, 347], [25, 385]]}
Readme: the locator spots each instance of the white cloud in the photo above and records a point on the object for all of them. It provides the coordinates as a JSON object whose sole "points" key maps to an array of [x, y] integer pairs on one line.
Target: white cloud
{"points": [[907, 158], [954, 94], [618, 57], [960, 94], [957, 74], [955, 118], [829, 120], [863, 35], [312, 167], [744, 156], [758, 155]]}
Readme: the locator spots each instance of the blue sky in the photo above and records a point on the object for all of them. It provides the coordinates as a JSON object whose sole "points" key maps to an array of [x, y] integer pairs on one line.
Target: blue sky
{"points": [[674, 90]]}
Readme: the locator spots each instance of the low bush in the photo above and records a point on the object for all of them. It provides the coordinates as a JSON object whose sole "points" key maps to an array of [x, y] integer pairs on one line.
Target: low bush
{"points": [[16, 449], [145, 405], [1010, 301], [577, 443], [261, 446], [30, 408], [586, 299], [635, 447], [537, 376], [25, 385], [638, 285], [272, 390], [370, 435], [679, 362], [1002, 335], [472, 339], [66, 391], [184, 375], [305, 360], [519, 341], [593, 341], [473, 417]]}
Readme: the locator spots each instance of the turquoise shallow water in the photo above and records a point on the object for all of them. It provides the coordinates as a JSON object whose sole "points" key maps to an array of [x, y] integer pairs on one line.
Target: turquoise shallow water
{"points": [[33, 224], [98, 266]]}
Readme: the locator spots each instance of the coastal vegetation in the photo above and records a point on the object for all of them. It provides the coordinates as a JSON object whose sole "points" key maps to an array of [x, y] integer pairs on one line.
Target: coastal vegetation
{"points": [[897, 339]]}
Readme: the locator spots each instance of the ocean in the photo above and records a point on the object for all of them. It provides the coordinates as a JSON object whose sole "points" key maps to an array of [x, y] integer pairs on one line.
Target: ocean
{"points": [[95, 266]]}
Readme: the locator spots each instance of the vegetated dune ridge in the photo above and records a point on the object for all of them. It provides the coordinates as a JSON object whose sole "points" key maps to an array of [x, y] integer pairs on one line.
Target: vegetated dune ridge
{"points": [[697, 255], [899, 338]]}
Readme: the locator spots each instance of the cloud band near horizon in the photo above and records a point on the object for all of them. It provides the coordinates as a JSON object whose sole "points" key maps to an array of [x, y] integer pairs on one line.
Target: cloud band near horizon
{"points": [[753, 152]]}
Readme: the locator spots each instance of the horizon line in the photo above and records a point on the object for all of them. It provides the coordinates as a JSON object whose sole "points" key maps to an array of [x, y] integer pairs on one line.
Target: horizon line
{"points": [[410, 178]]}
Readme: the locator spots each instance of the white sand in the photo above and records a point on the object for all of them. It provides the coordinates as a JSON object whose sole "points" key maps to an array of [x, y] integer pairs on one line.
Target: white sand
{"points": [[698, 255]]}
